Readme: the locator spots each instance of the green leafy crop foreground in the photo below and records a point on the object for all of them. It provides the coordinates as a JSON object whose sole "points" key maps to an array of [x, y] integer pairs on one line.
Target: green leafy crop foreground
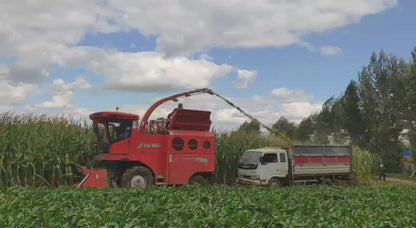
{"points": [[215, 206]]}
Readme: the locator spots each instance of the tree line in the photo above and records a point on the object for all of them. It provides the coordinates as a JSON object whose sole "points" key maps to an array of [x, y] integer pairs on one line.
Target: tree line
{"points": [[372, 113]]}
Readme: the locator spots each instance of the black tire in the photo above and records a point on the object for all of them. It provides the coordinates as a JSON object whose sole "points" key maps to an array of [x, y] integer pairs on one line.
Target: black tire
{"points": [[327, 181], [198, 180], [114, 178], [274, 182], [142, 175]]}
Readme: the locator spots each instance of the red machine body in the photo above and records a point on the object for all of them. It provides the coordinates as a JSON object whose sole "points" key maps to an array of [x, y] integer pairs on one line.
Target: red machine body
{"points": [[94, 178], [178, 149]]}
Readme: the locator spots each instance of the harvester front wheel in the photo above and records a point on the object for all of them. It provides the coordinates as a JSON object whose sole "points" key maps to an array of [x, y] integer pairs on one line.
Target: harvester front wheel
{"points": [[137, 177], [198, 180]]}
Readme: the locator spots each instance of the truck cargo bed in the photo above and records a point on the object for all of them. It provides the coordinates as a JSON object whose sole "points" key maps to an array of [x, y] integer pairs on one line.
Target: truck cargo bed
{"points": [[312, 160]]}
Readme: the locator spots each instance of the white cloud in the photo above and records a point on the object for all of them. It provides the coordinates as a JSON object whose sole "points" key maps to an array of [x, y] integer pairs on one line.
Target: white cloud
{"points": [[206, 57], [296, 111], [61, 100], [79, 84], [245, 78], [76, 112], [295, 104], [184, 27], [62, 103], [330, 50], [289, 95], [307, 45], [151, 71], [40, 38], [14, 93], [143, 71], [34, 33], [283, 93], [4, 72]]}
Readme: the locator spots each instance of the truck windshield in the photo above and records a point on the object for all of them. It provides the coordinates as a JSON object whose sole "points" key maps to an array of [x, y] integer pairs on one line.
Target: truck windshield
{"points": [[250, 158]]}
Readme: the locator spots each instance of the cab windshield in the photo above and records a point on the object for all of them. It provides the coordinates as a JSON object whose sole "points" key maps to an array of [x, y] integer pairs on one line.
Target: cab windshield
{"points": [[250, 158], [100, 134], [99, 130], [118, 130]]}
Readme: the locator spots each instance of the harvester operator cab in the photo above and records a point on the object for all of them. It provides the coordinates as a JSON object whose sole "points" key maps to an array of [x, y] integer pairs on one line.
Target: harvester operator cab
{"points": [[112, 128]]}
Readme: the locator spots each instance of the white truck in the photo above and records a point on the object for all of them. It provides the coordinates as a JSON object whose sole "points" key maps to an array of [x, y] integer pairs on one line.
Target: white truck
{"points": [[321, 164]]}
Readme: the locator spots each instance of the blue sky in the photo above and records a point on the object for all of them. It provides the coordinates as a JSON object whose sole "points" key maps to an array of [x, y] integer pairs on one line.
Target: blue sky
{"points": [[271, 58]]}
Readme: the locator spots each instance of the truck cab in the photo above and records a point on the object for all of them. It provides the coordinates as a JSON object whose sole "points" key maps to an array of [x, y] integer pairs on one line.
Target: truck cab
{"points": [[263, 166]]}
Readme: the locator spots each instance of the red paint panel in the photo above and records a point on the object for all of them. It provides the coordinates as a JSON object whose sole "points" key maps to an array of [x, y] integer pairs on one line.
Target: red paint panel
{"points": [[121, 147], [315, 159], [96, 178], [301, 160], [117, 115], [183, 166], [155, 156], [154, 151], [330, 159], [344, 159], [186, 119]]}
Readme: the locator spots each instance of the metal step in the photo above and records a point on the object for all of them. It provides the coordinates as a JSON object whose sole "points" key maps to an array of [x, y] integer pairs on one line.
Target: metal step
{"points": [[304, 181]]}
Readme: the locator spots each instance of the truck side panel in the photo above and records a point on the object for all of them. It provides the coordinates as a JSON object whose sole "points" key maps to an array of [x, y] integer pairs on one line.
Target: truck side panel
{"points": [[319, 169], [321, 160]]}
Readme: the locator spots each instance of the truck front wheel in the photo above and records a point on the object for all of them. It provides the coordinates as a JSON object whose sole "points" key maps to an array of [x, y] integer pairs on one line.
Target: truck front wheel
{"points": [[137, 177], [274, 182]]}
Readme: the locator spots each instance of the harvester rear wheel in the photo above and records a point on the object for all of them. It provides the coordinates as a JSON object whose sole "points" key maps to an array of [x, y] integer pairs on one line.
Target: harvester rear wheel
{"points": [[198, 180], [137, 177]]}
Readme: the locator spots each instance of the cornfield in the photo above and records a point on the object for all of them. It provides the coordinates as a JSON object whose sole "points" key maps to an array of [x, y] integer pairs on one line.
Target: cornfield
{"points": [[215, 206], [36, 150]]}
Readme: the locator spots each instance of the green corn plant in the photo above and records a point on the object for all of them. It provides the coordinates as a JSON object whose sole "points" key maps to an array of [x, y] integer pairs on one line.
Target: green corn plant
{"points": [[36, 150], [364, 166], [216, 206]]}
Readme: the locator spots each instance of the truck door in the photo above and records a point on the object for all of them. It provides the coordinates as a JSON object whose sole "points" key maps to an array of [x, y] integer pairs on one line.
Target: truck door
{"points": [[269, 166], [282, 165]]}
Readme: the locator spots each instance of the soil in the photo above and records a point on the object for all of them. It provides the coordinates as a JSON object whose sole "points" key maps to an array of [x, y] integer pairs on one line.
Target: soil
{"points": [[399, 181]]}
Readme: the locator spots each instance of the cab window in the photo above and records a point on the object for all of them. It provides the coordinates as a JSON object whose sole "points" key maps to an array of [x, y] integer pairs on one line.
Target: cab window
{"points": [[119, 130], [270, 158], [282, 157]]}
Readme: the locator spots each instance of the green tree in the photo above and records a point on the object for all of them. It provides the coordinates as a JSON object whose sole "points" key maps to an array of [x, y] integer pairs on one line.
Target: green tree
{"points": [[351, 116], [285, 127], [381, 122], [410, 107], [252, 127], [305, 130]]}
